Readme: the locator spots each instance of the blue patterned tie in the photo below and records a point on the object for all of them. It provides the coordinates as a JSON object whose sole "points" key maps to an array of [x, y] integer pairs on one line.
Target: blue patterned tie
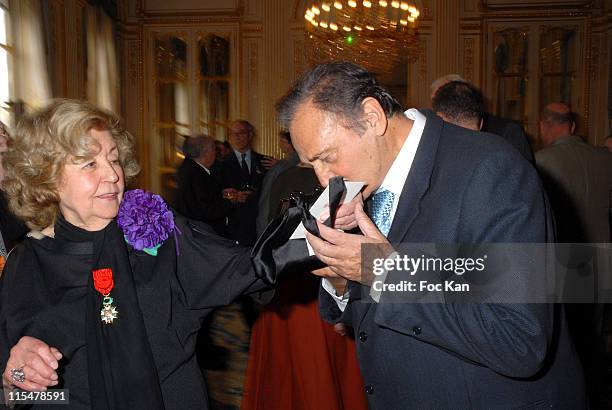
{"points": [[380, 210]]}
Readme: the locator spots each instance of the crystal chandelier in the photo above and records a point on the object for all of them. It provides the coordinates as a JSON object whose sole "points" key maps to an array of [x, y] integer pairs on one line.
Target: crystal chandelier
{"points": [[375, 34]]}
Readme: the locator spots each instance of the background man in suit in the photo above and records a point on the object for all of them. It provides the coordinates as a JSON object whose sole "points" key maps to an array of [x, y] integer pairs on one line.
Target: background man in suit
{"points": [[432, 182], [459, 103], [577, 177], [578, 180], [199, 195], [507, 129], [244, 170]]}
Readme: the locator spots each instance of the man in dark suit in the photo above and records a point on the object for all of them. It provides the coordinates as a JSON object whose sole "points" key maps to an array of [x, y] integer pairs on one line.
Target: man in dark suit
{"points": [[509, 130], [244, 170], [199, 194], [428, 181]]}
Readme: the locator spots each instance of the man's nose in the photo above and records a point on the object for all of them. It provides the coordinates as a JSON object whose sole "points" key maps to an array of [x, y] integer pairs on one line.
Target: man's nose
{"points": [[324, 175]]}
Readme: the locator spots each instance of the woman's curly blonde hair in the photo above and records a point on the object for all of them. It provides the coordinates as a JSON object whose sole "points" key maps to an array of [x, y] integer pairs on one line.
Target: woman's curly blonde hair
{"points": [[43, 142]]}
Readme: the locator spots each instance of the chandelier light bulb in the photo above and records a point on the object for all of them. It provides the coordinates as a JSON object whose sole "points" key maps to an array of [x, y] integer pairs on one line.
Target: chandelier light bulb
{"points": [[316, 10], [333, 26], [404, 6], [346, 28], [352, 3], [338, 5], [323, 24], [325, 7], [382, 3], [367, 4], [357, 28], [394, 4]]}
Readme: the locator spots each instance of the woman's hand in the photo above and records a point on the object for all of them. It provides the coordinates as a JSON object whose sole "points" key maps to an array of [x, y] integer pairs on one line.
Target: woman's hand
{"points": [[38, 362]]}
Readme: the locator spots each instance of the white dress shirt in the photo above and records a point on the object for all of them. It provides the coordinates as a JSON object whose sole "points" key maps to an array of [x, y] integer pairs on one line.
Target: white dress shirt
{"points": [[238, 155], [394, 182]]}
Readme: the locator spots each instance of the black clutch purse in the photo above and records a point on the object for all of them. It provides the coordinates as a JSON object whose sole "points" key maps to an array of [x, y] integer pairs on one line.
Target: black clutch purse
{"points": [[274, 254]]}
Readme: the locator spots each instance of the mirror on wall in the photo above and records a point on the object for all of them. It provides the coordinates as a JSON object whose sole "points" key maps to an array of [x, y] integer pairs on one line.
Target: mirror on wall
{"points": [[557, 65], [511, 73], [213, 79], [171, 122], [191, 93]]}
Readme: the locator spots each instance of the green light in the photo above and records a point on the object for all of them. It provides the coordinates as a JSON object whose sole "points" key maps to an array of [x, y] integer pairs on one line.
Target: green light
{"points": [[349, 39]]}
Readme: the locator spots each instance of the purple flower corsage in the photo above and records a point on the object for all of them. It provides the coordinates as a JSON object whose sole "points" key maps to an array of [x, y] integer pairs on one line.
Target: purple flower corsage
{"points": [[146, 220]]}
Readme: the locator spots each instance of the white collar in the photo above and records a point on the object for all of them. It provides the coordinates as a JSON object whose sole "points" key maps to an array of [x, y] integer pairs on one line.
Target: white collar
{"points": [[239, 155], [205, 169], [398, 173]]}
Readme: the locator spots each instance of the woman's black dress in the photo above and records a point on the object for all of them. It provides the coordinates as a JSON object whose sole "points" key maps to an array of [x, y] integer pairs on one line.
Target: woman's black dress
{"points": [[47, 292]]}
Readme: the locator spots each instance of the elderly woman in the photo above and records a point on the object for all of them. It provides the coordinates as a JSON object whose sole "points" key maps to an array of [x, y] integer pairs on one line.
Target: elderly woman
{"points": [[107, 294]]}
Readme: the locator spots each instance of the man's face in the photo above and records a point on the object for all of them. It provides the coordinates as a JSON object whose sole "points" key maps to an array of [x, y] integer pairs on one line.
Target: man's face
{"points": [[285, 146], [240, 137], [208, 156], [334, 150]]}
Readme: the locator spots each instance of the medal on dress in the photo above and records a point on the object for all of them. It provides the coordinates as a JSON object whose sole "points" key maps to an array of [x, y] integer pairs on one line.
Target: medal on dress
{"points": [[103, 282]]}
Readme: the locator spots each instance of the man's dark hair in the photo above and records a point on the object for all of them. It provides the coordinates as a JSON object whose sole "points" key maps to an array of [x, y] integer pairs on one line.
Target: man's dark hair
{"points": [[286, 135], [558, 118], [338, 88], [459, 102]]}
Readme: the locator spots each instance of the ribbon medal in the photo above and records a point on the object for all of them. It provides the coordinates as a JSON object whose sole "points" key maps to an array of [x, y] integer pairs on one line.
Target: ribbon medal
{"points": [[103, 282]]}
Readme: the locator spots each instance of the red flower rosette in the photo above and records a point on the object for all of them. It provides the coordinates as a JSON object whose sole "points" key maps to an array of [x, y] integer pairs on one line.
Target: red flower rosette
{"points": [[103, 280]]}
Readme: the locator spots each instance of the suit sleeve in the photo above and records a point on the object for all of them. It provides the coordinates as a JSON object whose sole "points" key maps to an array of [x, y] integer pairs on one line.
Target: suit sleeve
{"points": [[515, 135], [502, 203], [212, 271]]}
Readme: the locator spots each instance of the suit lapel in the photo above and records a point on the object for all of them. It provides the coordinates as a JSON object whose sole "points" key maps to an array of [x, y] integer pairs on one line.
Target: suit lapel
{"points": [[408, 207], [417, 182]]}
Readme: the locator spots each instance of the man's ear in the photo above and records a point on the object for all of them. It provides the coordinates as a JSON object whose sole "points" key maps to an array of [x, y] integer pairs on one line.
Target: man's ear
{"points": [[374, 115]]}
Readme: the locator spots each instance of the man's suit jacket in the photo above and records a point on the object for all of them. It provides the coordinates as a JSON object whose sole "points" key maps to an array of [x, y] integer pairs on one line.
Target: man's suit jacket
{"points": [[578, 179], [199, 196], [241, 226], [463, 189], [511, 132]]}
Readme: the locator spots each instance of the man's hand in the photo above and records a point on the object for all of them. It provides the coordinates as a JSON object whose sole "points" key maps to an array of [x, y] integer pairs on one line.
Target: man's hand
{"points": [[338, 282], [38, 361], [268, 162], [342, 252], [345, 215], [243, 196], [230, 194]]}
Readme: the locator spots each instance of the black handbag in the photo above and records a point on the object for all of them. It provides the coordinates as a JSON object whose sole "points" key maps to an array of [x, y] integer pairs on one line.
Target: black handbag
{"points": [[274, 254]]}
